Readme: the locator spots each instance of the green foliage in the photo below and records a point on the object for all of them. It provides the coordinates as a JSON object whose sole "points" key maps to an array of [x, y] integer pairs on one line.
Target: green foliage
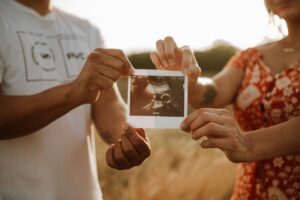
{"points": [[211, 60], [214, 58], [141, 60]]}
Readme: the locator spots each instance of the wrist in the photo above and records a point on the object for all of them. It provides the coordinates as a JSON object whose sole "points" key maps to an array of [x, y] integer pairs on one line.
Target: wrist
{"points": [[71, 95], [249, 147]]}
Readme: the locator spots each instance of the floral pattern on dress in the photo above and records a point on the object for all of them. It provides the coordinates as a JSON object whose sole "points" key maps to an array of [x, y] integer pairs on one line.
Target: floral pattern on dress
{"points": [[274, 99]]}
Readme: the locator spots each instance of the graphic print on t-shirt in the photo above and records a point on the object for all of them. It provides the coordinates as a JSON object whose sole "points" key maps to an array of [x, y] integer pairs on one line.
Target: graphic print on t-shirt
{"points": [[72, 48], [43, 55]]}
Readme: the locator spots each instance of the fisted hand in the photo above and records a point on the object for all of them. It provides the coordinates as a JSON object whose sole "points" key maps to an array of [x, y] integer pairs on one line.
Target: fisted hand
{"points": [[169, 57], [101, 69], [131, 150]]}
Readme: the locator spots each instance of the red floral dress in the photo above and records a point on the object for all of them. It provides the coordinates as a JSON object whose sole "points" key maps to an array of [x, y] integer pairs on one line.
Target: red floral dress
{"points": [[264, 100]]}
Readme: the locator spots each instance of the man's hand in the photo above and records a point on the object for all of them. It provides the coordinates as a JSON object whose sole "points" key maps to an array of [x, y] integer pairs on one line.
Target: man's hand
{"points": [[131, 150], [102, 68]]}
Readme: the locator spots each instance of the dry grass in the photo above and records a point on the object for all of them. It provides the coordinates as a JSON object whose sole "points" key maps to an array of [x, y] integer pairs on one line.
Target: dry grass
{"points": [[177, 169]]}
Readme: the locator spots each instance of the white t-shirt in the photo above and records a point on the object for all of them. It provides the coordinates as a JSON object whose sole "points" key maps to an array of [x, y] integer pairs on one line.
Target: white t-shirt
{"points": [[38, 53]]}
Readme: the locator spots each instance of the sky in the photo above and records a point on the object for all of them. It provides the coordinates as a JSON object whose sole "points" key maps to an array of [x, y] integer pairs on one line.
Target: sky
{"points": [[135, 25]]}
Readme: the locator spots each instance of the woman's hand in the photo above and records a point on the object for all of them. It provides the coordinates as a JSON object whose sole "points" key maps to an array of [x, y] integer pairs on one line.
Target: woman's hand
{"points": [[169, 57], [221, 131], [131, 150]]}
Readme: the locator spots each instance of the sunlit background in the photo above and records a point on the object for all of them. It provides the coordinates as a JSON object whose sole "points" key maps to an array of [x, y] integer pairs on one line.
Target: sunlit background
{"points": [[135, 25], [177, 168]]}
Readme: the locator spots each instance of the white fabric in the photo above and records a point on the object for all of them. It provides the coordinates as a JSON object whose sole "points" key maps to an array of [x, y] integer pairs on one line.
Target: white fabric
{"points": [[1, 68], [38, 53]]}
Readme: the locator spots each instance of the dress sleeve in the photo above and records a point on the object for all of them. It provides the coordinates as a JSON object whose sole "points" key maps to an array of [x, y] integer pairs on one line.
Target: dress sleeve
{"points": [[240, 59]]}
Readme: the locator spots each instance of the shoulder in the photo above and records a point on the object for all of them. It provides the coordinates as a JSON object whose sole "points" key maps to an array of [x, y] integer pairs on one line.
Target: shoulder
{"points": [[244, 57], [79, 21], [82, 25]]}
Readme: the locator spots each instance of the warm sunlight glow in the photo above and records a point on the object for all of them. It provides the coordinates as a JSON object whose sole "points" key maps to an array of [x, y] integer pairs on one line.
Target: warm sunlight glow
{"points": [[135, 25]]}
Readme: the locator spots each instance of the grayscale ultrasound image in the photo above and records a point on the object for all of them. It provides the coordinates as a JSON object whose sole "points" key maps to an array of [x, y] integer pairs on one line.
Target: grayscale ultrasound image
{"points": [[157, 96]]}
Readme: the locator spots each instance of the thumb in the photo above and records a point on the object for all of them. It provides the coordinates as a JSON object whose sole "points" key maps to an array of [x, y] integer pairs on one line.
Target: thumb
{"points": [[140, 131], [128, 69]]}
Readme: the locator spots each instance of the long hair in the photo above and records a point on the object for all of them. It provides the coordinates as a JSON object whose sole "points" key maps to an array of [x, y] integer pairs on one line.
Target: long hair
{"points": [[275, 21]]}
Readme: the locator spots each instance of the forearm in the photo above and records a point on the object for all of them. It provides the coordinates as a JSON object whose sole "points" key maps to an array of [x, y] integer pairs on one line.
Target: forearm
{"points": [[109, 116], [275, 141], [22, 115]]}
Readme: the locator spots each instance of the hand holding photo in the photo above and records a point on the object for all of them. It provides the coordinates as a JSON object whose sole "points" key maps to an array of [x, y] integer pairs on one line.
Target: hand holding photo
{"points": [[157, 98]]}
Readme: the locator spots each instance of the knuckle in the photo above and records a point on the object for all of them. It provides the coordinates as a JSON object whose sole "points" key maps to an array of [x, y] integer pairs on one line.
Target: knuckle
{"points": [[200, 111], [93, 56], [205, 116], [119, 64], [193, 126], [169, 55], [211, 126], [120, 52], [224, 112]]}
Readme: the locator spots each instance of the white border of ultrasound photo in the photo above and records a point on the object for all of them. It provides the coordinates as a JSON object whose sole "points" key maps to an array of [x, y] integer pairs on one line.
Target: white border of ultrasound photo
{"points": [[157, 121]]}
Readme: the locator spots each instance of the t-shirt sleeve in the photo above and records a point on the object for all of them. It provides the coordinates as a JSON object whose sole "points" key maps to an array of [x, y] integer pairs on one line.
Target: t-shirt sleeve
{"points": [[239, 60], [97, 40]]}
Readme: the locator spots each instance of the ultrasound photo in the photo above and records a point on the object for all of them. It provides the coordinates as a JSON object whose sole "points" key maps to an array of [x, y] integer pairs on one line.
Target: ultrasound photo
{"points": [[157, 96]]}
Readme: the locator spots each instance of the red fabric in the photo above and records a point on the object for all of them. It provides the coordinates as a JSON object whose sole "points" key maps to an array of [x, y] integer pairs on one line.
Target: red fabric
{"points": [[264, 100]]}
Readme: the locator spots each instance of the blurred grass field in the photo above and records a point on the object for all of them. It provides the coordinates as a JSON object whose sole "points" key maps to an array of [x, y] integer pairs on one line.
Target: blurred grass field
{"points": [[178, 169]]}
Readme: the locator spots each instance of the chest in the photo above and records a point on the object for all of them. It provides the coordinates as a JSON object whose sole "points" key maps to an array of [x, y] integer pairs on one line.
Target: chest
{"points": [[265, 99], [36, 58]]}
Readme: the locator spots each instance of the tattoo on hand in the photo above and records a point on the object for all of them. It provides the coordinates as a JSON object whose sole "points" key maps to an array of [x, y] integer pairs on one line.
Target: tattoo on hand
{"points": [[209, 95], [107, 137]]}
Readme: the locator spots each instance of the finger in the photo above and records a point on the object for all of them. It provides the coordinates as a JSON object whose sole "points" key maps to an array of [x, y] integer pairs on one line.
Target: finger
{"points": [[156, 61], [108, 60], [102, 82], [220, 143], [110, 158], [187, 59], [139, 141], [169, 48], [130, 151], [120, 157], [108, 72], [189, 119], [210, 130], [161, 53], [142, 133], [128, 69], [205, 118]]}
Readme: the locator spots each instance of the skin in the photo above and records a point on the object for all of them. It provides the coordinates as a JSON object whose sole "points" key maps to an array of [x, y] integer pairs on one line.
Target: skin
{"points": [[216, 124], [94, 85]]}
